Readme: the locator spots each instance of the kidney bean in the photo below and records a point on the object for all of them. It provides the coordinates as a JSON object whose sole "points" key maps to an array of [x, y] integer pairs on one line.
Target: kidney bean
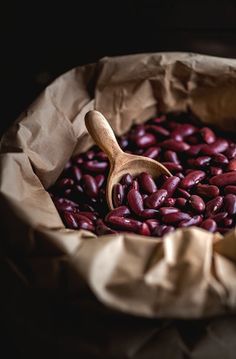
{"points": [[95, 166], [227, 222], [123, 142], [192, 179], [220, 145], [230, 153], [197, 203], [127, 179], [220, 159], [192, 140], [152, 152], [158, 130], [169, 202], [134, 185], [126, 224], [181, 202], [232, 165], [230, 189], [90, 186], [183, 193], [122, 211], [173, 167], [156, 199], [219, 217], [179, 174], [214, 205], [145, 141], [118, 195], [147, 183], [177, 146], [65, 183], [135, 201], [224, 179], [194, 150], [175, 218], [102, 229], [230, 204], [195, 220], [144, 230], [101, 156], [89, 155], [171, 156], [159, 119], [149, 213], [100, 179], [137, 131], [209, 224], [76, 173], [170, 185], [167, 210], [214, 171], [167, 229], [90, 215], [70, 220], [208, 135], [208, 191], [152, 224], [63, 206], [201, 161], [85, 225], [182, 131], [161, 230], [82, 218]]}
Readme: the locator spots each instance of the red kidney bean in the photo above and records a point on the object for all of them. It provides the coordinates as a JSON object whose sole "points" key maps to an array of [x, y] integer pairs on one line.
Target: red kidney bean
{"points": [[230, 189], [82, 218], [161, 230], [197, 203], [220, 159], [227, 222], [219, 217], [70, 220], [179, 174], [167, 210], [209, 224], [169, 202], [171, 156], [89, 215], [214, 205], [63, 206], [167, 229], [177, 146], [192, 140], [192, 179], [65, 183], [208, 191], [118, 195], [102, 229], [214, 171], [181, 202], [208, 135], [144, 230], [134, 185], [90, 186], [170, 185], [220, 145], [156, 199], [100, 179], [172, 167], [137, 131], [158, 130], [95, 166], [159, 119], [147, 183], [224, 179], [85, 225], [183, 193], [175, 218], [145, 141], [89, 155], [194, 150], [127, 179], [201, 161], [152, 224], [152, 152], [101, 156], [182, 131], [122, 211], [135, 201], [232, 165], [230, 204], [76, 172], [123, 142], [195, 220], [148, 213], [230, 153], [126, 224]]}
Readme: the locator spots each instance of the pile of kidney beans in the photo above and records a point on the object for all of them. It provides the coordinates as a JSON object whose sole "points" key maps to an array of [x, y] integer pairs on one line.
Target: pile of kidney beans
{"points": [[201, 192]]}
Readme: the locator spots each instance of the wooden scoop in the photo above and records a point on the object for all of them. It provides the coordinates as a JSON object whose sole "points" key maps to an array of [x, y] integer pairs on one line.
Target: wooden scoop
{"points": [[120, 162]]}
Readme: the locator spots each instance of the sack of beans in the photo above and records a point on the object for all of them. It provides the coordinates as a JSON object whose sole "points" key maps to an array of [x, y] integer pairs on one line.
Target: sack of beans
{"points": [[168, 248]]}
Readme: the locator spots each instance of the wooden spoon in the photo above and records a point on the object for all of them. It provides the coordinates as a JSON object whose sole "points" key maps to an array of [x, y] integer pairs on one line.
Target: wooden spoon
{"points": [[120, 162]]}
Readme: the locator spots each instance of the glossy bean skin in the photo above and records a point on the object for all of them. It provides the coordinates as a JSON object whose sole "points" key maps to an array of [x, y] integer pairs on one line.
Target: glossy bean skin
{"points": [[175, 218], [118, 195], [102, 228], [192, 179], [173, 167], [230, 189], [176, 146], [95, 166], [195, 220], [197, 203], [146, 140], [208, 135], [230, 204], [209, 224], [224, 179], [127, 179], [214, 206], [208, 191], [135, 201], [231, 165], [167, 210], [147, 183], [126, 224], [122, 211], [144, 230], [152, 224], [171, 156], [170, 185], [156, 199], [218, 146], [152, 152], [90, 186]]}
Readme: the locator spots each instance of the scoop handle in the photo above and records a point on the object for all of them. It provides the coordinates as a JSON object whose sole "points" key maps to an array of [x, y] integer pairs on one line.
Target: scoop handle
{"points": [[102, 134]]}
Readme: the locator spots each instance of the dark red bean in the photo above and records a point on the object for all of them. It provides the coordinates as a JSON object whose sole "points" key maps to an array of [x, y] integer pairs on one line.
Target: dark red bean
{"points": [[135, 201], [127, 179], [89, 155], [126, 224], [86, 226], [122, 211], [230, 204], [209, 224], [192, 140], [182, 131], [169, 202], [145, 141], [152, 224], [175, 218], [167, 229], [173, 167], [208, 135], [201, 161], [230, 153], [183, 193], [170, 185], [90, 215], [70, 220], [171, 156], [214, 171], [90, 186], [167, 210], [177, 146], [194, 150], [123, 142], [76, 172], [181, 202], [195, 220], [179, 174], [137, 131], [158, 130], [149, 213], [134, 185], [159, 119], [147, 183], [230, 189], [192, 179], [220, 159], [156, 199], [144, 230], [118, 195], [95, 166], [228, 222], [208, 191], [100, 179], [64, 205], [214, 206], [102, 229], [219, 217], [101, 156], [152, 152], [224, 179], [232, 165], [65, 183], [82, 218], [220, 145], [197, 203], [161, 230]]}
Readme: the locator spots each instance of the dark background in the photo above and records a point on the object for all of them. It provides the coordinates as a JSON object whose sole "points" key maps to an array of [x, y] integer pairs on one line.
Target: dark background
{"points": [[41, 41]]}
